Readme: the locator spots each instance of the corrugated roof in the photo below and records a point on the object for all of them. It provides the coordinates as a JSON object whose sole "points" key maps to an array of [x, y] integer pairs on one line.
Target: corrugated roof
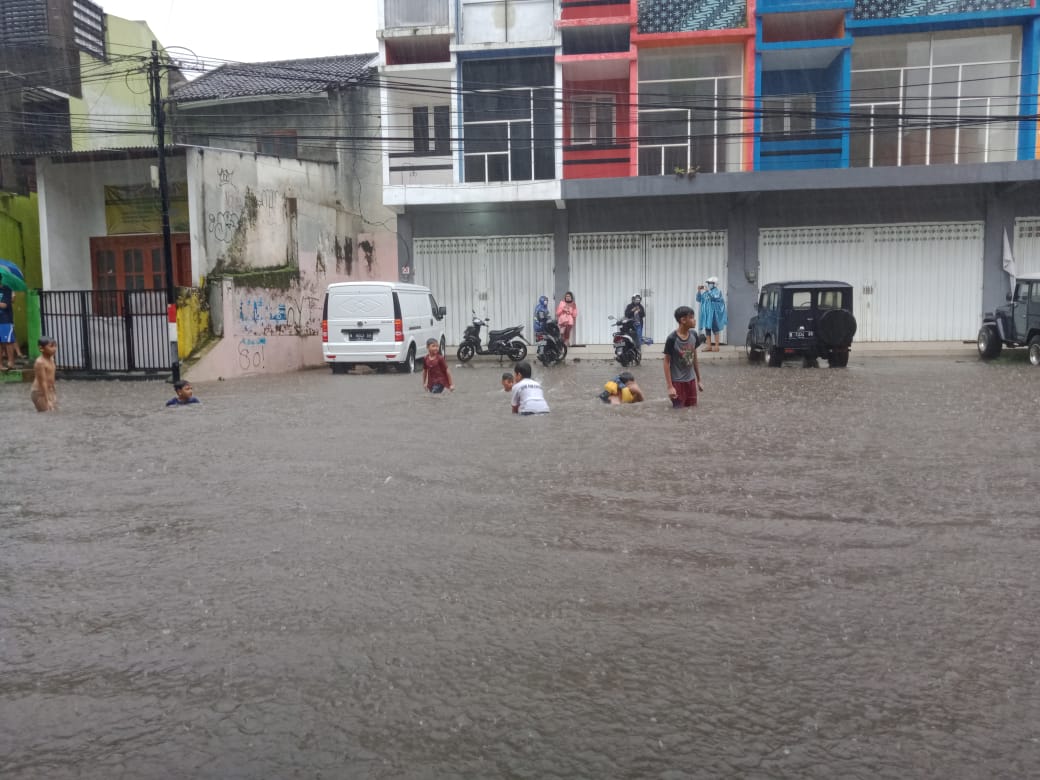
{"points": [[284, 77]]}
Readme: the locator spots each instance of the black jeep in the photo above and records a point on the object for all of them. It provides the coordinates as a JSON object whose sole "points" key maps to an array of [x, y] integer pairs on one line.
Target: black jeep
{"points": [[1015, 325], [808, 319]]}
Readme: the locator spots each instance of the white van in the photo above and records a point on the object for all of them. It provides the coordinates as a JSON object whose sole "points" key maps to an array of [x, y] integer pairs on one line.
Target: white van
{"points": [[378, 323]]}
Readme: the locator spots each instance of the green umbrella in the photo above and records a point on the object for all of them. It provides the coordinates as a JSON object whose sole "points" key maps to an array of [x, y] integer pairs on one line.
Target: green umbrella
{"points": [[9, 279]]}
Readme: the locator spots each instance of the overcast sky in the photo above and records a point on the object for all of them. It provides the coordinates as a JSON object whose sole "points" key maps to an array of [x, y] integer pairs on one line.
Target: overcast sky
{"points": [[256, 31]]}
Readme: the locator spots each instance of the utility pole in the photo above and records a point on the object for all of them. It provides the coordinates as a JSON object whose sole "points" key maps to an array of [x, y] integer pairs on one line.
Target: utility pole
{"points": [[159, 117]]}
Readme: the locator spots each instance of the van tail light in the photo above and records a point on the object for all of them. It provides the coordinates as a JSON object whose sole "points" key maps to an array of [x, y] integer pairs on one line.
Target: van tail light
{"points": [[398, 331], [324, 331]]}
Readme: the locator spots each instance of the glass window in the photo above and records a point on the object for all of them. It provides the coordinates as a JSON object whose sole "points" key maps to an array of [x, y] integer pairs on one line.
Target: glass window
{"points": [[442, 129], [956, 89], [830, 299], [420, 129], [788, 114], [690, 98], [508, 120], [801, 299], [592, 119]]}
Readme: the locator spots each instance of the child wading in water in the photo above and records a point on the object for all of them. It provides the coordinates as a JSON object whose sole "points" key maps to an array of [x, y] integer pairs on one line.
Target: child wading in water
{"points": [[682, 371], [43, 395], [185, 394], [527, 395], [435, 373]]}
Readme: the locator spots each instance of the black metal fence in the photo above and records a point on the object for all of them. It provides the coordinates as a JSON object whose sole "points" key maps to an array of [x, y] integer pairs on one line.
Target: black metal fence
{"points": [[107, 330]]}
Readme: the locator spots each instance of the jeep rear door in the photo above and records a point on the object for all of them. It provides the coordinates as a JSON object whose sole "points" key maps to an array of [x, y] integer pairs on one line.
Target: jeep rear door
{"points": [[799, 318]]}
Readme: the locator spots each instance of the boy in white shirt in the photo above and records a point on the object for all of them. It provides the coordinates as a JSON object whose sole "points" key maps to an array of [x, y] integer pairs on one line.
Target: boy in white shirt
{"points": [[527, 395]]}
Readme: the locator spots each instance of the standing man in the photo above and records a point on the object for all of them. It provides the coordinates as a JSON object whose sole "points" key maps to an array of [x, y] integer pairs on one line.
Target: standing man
{"points": [[635, 311], [7, 343], [713, 312]]}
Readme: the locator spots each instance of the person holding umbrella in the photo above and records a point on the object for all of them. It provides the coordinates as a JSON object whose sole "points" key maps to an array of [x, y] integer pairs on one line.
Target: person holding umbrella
{"points": [[11, 279]]}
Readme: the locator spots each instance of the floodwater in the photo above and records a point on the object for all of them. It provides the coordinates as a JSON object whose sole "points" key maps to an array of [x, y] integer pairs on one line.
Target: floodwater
{"points": [[815, 574]]}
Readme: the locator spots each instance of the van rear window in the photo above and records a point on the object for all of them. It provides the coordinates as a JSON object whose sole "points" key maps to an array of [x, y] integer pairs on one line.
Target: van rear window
{"points": [[360, 305]]}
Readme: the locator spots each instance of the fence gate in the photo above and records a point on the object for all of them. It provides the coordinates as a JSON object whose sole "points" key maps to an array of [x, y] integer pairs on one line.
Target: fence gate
{"points": [[107, 330]]}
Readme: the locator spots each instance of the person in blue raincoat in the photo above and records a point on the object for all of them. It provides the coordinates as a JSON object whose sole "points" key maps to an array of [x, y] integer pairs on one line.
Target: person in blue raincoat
{"points": [[541, 314], [713, 313]]}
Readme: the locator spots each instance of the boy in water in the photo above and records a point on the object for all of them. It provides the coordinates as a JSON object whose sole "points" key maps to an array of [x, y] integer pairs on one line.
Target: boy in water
{"points": [[435, 373], [185, 394], [622, 390], [682, 371], [43, 395], [507, 382], [527, 395]]}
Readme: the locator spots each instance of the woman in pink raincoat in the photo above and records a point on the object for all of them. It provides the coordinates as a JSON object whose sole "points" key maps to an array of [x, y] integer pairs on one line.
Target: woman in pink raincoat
{"points": [[566, 316]]}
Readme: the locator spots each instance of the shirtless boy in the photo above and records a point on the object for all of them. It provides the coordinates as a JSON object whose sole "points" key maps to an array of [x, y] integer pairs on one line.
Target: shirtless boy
{"points": [[43, 395]]}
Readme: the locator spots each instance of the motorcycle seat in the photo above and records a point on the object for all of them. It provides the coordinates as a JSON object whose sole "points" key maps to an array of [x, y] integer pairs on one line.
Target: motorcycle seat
{"points": [[497, 334]]}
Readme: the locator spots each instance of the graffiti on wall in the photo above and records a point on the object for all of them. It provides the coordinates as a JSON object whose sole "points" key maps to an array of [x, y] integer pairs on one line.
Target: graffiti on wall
{"points": [[224, 221], [270, 312], [251, 354]]}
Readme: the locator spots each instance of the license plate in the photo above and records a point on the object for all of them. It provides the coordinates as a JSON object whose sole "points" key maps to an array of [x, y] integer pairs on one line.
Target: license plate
{"points": [[800, 334], [360, 335]]}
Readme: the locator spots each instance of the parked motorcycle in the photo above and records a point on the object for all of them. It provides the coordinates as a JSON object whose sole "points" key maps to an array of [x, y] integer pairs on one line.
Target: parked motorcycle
{"points": [[627, 349], [551, 349], [508, 342]]}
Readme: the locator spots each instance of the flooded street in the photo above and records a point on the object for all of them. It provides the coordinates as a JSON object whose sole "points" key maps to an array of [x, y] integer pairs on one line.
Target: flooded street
{"points": [[814, 574]]}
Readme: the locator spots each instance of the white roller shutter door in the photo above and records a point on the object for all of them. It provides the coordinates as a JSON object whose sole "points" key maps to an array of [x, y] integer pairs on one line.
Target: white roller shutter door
{"points": [[912, 282], [607, 269], [499, 278], [1027, 245]]}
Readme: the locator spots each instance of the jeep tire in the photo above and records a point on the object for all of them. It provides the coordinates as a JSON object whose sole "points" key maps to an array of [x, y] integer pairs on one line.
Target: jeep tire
{"points": [[1034, 350], [988, 342], [836, 328], [754, 355], [839, 358], [774, 355]]}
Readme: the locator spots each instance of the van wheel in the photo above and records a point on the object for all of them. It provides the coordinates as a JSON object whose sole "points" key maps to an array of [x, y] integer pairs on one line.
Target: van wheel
{"points": [[408, 366], [339, 368]]}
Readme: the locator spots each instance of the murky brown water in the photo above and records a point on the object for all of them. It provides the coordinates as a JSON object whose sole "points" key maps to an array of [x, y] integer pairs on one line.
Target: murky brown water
{"points": [[816, 573]]}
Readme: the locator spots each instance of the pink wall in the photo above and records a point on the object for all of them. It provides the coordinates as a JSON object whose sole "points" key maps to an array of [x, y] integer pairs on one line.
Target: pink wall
{"points": [[270, 331]]}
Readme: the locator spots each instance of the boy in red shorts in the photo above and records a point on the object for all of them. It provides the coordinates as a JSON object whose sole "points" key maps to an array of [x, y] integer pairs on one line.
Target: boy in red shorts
{"points": [[682, 371]]}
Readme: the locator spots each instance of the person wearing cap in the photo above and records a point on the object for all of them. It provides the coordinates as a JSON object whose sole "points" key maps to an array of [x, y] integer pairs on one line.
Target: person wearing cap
{"points": [[635, 311], [713, 312], [622, 389]]}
